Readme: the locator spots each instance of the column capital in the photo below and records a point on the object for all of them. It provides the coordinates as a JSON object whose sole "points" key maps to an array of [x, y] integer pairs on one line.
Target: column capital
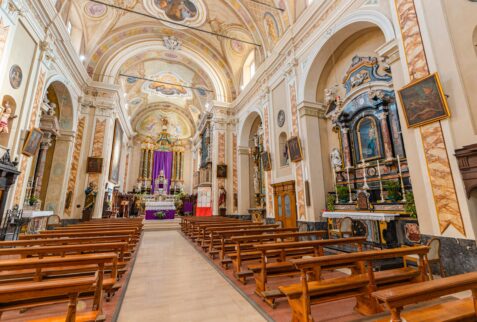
{"points": [[306, 108], [389, 52]]}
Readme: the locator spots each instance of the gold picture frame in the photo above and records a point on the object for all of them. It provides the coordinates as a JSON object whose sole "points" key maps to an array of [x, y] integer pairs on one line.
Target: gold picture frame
{"points": [[32, 142], [266, 161], [424, 102], [294, 149]]}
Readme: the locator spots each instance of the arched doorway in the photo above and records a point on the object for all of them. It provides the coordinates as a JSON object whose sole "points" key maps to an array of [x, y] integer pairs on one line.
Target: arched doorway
{"points": [[252, 194], [49, 172]]}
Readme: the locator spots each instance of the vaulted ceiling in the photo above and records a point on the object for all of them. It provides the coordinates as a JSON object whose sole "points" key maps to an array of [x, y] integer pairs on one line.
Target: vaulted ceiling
{"points": [[167, 69]]}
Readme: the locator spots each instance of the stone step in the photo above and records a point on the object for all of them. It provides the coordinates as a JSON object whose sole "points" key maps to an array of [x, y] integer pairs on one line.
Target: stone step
{"points": [[155, 225]]}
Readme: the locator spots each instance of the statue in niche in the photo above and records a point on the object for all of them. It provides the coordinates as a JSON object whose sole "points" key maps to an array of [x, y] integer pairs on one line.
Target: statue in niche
{"points": [[256, 183], [336, 161], [222, 197], [5, 116]]}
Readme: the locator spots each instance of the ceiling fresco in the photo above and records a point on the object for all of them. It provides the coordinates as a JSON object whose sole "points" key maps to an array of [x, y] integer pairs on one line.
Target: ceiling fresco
{"points": [[151, 124], [173, 56]]}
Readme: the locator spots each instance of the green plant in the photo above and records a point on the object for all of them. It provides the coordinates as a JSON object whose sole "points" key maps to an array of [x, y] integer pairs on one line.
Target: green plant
{"points": [[33, 200], [160, 215], [342, 193], [393, 189], [410, 205], [330, 202]]}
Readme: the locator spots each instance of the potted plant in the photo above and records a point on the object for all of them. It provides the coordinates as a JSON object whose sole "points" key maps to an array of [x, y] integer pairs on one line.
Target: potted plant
{"points": [[410, 205], [342, 194], [393, 189], [330, 202], [33, 200]]}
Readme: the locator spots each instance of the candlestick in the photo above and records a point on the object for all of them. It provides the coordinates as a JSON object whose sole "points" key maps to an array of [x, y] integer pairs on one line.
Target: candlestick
{"points": [[401, 180], [365, 185], [380, 182], [349, 187], [336, 186]]}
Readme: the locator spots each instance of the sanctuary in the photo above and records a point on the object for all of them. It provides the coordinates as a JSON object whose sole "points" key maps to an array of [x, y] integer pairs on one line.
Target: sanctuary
{"points": [[238, 160]]}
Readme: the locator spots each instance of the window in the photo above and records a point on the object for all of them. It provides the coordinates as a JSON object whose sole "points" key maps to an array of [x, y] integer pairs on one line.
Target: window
{"points": [[248, 69], [309, 2], [283, 148], [69, 27]]}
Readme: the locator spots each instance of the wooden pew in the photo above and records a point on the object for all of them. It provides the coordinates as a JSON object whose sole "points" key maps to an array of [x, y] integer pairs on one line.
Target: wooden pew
{"points": [[396, 298], [224, 238], [44, 267], [64, 241], [200, 230], [360, 284], [36, 291], [245, 248], [284, 267]]}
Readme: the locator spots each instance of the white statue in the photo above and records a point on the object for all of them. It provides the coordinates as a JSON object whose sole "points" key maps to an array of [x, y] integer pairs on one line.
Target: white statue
{"points": [[329, 95], [336, 161], [256, 183]]}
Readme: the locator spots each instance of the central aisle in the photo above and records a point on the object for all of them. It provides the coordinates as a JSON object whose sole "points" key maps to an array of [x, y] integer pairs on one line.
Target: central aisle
{"points": [[171, 281]]}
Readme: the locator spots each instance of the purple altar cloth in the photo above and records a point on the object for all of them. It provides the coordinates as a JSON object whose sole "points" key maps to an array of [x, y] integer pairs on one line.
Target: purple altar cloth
{"points": [[162, 161], [151, 214]]}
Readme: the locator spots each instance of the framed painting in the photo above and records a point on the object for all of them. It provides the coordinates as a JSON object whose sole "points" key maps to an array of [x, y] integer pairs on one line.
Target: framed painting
{"points": [[221, 171], [32, 143], [368, 139], [266, 161], [94, 165], [424, 101], [294, 149], [116, 153]]}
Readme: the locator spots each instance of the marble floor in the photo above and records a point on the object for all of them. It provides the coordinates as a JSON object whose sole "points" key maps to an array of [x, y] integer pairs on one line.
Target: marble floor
{"points": [[171, 281]]}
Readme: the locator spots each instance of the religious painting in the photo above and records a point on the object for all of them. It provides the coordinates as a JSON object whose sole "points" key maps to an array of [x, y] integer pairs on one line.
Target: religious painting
{"points": [[266, 161], [221, 171], [294, 149], [368, 139], [32, 143], [16, 76], [94, 165], [177, 10], [95, 10], [166, 85], [424, 101], [271, 27], [116, 153]]}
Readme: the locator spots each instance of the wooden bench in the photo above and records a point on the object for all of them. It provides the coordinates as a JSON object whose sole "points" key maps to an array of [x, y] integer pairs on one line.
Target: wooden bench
{"points": [[44, 266], [37, 291], [284, 267], [396, 298], [360, 284], [245, 247], [223, 237]]}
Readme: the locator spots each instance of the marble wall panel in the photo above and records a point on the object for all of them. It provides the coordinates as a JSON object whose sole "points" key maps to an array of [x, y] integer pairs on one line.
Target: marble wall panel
{"points": [[299, 182], [440, 173], [34, 115], [75, 164], [235, 172]]}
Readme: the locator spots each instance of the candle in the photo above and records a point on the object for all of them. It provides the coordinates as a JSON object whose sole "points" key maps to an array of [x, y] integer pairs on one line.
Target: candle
{"points": [[399, 164], [380, 182], [350, 197]]}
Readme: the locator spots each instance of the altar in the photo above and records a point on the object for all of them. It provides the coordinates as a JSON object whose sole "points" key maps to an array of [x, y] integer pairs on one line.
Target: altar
{"points": [[154, 208]]}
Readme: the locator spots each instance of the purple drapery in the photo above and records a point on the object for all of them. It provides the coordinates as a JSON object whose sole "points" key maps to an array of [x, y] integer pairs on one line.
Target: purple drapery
{"points": [[162, 161]]}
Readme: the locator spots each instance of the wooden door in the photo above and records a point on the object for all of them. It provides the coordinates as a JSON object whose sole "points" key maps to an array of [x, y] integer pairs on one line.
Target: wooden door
{"points": [[285, 204]]}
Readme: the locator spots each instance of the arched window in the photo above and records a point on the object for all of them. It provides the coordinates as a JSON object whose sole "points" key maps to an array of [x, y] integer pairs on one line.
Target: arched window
{"points": [[248, 69], [75, 29], [283, 148]]}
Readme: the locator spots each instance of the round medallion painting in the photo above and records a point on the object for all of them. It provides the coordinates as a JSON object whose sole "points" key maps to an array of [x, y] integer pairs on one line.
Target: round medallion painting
{"points": [[177, 10], [95, 10], [16, 76]]}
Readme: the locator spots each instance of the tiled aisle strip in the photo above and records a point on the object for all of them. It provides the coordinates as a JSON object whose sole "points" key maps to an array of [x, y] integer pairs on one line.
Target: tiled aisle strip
{"points": [[171, 281]]}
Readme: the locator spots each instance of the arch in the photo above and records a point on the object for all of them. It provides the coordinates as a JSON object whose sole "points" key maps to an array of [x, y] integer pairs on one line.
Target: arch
{"points": [[325, 46], [71, 108], [64, 103], [246, 127]]}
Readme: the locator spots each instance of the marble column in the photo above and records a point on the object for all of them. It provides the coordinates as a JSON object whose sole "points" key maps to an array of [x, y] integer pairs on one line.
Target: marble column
{"points": [[40, 164], [346, 147], [388, 150]]}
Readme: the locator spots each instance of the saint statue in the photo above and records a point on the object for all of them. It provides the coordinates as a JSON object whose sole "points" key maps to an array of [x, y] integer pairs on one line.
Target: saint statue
{"points": [[89, 201], [336, 161], [222, 197], [5, 116]]}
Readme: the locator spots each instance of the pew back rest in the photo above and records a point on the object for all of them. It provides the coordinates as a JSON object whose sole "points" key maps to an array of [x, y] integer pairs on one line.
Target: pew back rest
{"points": [[310, 243], [277, 236]]}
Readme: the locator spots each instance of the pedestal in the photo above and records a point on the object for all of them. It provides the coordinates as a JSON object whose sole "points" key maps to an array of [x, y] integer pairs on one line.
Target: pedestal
{"points": [[258, 214]]}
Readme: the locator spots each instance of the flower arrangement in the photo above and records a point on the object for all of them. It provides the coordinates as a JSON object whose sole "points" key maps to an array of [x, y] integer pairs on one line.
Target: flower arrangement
{"points": [[160, 215]]}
